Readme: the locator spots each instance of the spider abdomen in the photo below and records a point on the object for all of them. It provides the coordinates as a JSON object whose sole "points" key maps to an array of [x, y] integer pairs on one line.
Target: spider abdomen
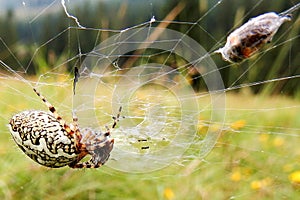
{"points": [[43, 138]]}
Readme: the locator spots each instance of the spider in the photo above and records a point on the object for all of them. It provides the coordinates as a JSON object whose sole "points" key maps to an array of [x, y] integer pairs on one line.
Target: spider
{"points": [[248, 39], [50, 141]]}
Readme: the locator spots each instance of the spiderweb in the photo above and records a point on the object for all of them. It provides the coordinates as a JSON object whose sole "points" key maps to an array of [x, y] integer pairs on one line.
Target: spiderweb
{"points": [[189, 119]]}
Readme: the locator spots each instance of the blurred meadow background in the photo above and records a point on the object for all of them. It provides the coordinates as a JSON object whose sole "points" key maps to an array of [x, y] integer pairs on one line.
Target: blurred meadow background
{"points": [[257, 154]]}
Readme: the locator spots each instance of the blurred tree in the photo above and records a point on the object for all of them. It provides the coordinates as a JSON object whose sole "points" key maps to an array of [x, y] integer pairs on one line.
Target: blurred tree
{"points": [[8, 37], [55, 36]]}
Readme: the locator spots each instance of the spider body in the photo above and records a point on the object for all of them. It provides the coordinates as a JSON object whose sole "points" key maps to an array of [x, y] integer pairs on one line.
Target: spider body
{"points": [[49, 141], [42, 137]]}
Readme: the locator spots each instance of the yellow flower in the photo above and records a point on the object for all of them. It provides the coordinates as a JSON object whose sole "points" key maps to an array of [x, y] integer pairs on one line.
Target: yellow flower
{"points": [[261, 184], [237, 125], [263, 137], [295, 177], [278, 141], [168, 194], [256, 185], [236, 176]]}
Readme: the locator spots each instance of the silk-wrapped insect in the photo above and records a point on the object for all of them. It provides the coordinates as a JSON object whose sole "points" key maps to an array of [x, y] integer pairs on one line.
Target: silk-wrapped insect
{"points": [[248, 39]]}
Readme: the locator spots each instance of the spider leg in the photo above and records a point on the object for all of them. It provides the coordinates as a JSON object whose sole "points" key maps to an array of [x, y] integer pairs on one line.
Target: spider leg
{"points": [[75, 118], [92, 163], [96, 161], [49, 105], [87, 164], [54, 112], [107, 131], [77, 164], [74, 124], [116, 118]]}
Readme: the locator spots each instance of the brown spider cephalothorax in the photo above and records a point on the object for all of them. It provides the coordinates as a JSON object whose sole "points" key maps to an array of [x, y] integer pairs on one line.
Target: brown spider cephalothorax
{"points": [[50, 141]]}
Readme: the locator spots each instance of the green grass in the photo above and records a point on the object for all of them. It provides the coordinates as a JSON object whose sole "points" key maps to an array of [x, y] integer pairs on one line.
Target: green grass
{"points": [[254, 158]]}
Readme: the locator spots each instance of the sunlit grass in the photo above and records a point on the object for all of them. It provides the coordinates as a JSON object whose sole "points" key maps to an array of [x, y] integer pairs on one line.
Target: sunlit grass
{"points": [[257, 156]]}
